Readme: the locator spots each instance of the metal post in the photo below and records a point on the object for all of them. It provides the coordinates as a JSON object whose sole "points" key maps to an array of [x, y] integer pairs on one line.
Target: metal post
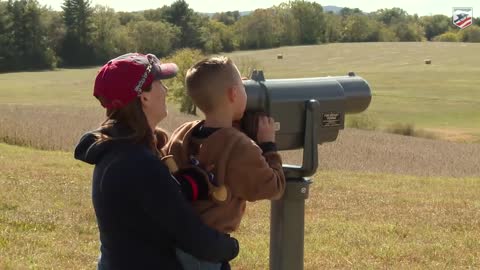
{"points": [[287, 225], [287, 220]]}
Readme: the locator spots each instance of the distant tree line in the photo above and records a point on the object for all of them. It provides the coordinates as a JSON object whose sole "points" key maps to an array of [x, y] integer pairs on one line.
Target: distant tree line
{"points": [[36, 37]]}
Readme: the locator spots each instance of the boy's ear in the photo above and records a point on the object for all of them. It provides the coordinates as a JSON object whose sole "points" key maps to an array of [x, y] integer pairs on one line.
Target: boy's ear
{"points": [[232, 94]]}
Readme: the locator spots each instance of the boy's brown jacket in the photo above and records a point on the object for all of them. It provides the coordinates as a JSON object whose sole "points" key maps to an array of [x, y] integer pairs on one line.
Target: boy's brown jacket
{"points": [[238, 163]]}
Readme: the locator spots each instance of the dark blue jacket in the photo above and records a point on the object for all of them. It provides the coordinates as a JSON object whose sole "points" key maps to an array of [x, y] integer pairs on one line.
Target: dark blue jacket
{"points": [[141, 214]]}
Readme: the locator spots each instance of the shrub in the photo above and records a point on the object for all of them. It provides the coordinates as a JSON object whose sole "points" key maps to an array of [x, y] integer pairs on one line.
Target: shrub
{"points": [[410, 130], [447, 37], [184, 58], [361, 121], [470, 34]]}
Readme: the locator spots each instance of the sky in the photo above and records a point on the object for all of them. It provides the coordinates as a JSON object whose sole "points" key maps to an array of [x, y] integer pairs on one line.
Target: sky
{"points": [[420, 7]]}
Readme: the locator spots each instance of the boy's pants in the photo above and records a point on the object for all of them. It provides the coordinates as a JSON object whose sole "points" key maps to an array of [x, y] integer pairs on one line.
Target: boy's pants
{"points": [[191, 263]]}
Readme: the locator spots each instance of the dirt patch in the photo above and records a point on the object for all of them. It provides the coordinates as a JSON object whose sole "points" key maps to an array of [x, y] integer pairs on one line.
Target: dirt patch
{"points": [[372, 151]]}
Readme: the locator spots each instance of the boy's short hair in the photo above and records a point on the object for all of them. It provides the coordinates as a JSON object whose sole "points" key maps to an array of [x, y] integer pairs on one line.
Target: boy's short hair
{"points": [[208, 80]]}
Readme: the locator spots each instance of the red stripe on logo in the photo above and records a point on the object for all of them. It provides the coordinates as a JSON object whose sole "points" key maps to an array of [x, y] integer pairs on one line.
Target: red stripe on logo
{"points": [[464, 21], [466, 24]]}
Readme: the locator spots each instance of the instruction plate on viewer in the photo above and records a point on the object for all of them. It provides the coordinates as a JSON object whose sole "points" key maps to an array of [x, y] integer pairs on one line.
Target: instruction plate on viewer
{"points": [[331, 119]]}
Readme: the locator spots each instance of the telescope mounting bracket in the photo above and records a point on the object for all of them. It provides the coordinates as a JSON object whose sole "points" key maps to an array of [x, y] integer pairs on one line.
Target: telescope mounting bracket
{"points": [[257, 75], [310, 145]]}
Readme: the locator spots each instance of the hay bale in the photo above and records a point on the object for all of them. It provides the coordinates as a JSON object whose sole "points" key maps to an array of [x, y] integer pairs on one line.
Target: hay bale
{"points": [[279, 56], [428, 61]]}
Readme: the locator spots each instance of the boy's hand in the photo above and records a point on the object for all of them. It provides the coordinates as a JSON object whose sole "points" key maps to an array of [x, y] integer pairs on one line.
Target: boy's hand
{"points": [[266, 129]]}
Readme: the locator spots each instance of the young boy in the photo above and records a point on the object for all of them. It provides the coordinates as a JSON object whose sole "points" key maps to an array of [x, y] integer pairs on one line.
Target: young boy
{"points": [[249, 171]]}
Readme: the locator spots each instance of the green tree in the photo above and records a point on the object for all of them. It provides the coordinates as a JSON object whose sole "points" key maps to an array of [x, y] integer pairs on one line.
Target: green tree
{"points": [[155, 15], [311, 20], [470, 34], [77, 48], [227, 37], [288, 25], [184, 58], [391, 16], [333, 27], [228, 18], [345, 12], [55, 29], [211, 37], [106, 24], [5, 37], [127, 17], [356, 29], [124, 41], [405, 27], [26, 37], [153, 37], [435, 25], [408, 31], [386, 34], [217, 36], [189, 22], [258, 30]]}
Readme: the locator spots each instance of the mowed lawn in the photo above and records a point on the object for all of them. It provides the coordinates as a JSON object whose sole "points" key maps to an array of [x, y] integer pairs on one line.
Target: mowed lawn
{"points": [[353, 220], [443, 97]]}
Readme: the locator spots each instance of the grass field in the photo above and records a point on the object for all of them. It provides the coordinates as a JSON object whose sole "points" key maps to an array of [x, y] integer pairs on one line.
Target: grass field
{"points": [[379, 201], [443, 97], [353, 220]]}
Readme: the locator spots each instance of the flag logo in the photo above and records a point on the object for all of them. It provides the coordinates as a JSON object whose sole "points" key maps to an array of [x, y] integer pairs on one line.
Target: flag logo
{"points": [[462, 17]]}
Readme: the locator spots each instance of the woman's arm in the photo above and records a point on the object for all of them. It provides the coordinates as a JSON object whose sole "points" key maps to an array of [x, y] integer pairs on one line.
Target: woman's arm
{"points": [[162, 199]]}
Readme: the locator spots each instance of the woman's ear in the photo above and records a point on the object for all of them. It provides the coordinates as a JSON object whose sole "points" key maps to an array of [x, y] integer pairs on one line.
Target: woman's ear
{"points": [[144, 98]]}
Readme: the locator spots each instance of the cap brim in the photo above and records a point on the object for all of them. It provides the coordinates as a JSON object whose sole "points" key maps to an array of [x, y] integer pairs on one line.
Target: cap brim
{"points": [[167, 71]]}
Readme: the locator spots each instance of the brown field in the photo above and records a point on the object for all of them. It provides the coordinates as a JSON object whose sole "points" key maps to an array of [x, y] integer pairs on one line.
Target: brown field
{"points": [[374, 151], [58, 127], [355, 150]]}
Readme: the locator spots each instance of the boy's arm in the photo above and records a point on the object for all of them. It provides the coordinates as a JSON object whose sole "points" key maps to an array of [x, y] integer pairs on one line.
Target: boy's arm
{"points": [[253, 174]]}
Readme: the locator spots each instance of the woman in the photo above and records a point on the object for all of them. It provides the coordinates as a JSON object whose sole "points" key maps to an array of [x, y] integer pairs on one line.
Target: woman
{"points": [[141, 213]]}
